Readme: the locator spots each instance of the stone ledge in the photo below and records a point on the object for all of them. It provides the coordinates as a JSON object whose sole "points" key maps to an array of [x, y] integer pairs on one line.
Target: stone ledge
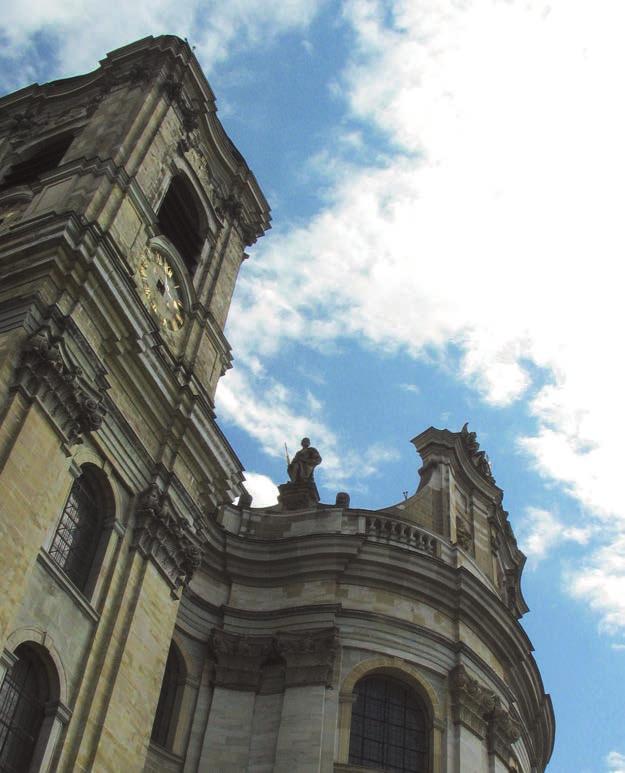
{"points": [[63, 581]]}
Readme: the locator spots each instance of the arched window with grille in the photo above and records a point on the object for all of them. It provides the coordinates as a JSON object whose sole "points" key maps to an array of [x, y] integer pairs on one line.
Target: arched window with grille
{"points": [[24, 693], [75, 544], [181, 219], [390, 727], [164, 725], [43, 158]]}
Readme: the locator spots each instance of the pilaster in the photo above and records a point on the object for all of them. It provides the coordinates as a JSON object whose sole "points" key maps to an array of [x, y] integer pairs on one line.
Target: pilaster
{"points": [[227, 741], [310, 659], [482, 725]]}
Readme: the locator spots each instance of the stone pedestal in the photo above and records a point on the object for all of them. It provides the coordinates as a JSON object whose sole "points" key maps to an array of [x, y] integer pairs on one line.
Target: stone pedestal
{"points": [[299, 495]]}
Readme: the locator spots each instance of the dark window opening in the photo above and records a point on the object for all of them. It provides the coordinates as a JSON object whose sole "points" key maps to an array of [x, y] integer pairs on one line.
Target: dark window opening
{"points": [[389, 727], [163, 719], [179, 220], [23, 696], [77, 536], [45, 157]]}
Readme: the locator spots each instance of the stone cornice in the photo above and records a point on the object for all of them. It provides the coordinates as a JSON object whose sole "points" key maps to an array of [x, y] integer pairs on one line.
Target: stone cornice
{"points": [[165, 538], [46, 374], [461, 451]]}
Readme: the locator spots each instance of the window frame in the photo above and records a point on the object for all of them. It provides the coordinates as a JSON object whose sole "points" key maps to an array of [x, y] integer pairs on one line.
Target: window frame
{"points": [[170, 701], [104, 519], [190, 260], [61, 141], [387, 695], [415, 680]]}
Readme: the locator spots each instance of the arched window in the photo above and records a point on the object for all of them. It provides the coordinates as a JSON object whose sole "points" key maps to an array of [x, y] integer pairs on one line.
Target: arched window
{"points": [[24, 693], [43, 158], [389, 727], [78, 534], [168, 700], [180, 220]]}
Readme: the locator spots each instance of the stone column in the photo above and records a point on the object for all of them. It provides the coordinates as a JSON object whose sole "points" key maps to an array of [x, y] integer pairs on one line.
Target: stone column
{"points": [[309, 657], [227, 740]]}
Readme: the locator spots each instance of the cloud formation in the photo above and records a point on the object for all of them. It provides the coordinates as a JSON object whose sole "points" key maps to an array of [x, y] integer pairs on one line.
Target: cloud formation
{"points": [[274, 415], [54, 32], [615, 762], [542, 532], [489, 226]]}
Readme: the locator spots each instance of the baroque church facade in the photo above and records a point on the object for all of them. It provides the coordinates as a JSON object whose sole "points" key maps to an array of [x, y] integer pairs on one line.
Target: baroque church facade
{"points": [[147, 623]]}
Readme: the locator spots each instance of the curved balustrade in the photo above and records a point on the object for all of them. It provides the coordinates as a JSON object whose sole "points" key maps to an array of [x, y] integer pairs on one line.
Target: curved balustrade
{"points": [[400, 531]]}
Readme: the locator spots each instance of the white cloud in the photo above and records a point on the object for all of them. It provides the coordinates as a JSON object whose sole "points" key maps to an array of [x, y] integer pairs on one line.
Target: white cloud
{"points": [[410, 388], [215, 29], [263, 490], [601, 582], [275, 415], [492, 223], [615, 762], [542, 531]]}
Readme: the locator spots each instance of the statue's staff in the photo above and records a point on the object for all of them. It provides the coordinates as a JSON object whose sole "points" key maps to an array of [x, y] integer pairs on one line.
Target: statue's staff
{"points": [[286, 452]]}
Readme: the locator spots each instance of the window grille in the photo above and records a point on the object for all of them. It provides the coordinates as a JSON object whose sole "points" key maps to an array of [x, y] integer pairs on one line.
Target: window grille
{"points": [[76, 539], [389, 728], [23, 695]]}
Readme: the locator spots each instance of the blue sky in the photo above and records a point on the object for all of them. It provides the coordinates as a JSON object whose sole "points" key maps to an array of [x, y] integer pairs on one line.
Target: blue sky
{"points": [[446, 184]]}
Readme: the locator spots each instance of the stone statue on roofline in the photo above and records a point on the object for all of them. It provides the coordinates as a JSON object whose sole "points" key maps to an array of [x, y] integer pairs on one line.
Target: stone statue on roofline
{"points": [[301, 468], [301, 491]]}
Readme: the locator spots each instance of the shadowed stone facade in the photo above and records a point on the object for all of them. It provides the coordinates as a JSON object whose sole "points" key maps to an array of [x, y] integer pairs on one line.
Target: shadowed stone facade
{"points": [[174, 630]]}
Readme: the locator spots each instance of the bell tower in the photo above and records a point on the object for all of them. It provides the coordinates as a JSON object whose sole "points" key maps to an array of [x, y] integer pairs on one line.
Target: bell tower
{"points": [[147, 623], [125, 211]]}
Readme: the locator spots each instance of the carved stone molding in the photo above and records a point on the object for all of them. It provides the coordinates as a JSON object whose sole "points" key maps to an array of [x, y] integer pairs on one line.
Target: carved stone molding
{"points": [[164, 537], [477, 457], [463, 535], [45, 373], [503, 731], [240, 659], [230, 207], [309, 656], [471, 702], [480, 710]]}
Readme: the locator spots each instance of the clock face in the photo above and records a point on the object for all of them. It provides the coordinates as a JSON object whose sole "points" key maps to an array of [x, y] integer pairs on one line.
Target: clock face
{"points": [[161, 292]]}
